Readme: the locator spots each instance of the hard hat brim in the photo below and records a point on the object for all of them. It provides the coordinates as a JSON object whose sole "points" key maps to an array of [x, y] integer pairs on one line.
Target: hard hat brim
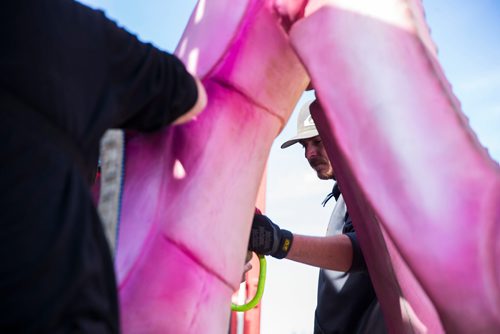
{"points": [[304, 135]]}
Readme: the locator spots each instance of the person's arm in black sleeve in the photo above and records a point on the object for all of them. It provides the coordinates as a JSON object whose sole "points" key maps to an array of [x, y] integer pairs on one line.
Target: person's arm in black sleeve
{"points": [[149, 88], [197, 108]]}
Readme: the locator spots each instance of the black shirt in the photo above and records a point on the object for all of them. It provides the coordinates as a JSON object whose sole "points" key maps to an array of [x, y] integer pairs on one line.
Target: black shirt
{"points": [[67, 74]]}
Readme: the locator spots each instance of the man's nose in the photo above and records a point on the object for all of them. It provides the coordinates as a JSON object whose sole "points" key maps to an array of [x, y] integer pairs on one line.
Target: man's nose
{"points": [[310, 151]]}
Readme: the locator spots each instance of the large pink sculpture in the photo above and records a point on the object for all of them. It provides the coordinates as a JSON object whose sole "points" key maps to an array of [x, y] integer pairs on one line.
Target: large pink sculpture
{"points": [[190, 191], [424, 195]]}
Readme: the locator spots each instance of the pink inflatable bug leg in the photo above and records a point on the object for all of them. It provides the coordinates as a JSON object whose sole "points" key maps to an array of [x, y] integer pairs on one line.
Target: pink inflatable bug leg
{"points": [[423, 192], [190, 190]]}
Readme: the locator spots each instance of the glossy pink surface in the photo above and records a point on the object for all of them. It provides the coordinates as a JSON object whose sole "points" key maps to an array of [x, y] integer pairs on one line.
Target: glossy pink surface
{"points": [[424, 195], [190, 191]]}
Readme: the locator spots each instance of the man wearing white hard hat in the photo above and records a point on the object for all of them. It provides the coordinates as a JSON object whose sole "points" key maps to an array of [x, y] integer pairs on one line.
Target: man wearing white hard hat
{"points": [[346, 299]]}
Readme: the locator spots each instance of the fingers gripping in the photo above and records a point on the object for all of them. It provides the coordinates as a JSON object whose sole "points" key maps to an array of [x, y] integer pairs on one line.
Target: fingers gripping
{"points": [[267, 238]]}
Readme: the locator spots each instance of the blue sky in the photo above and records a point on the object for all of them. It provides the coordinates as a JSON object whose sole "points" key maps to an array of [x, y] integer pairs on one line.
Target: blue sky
{"points": [[467, 35]]}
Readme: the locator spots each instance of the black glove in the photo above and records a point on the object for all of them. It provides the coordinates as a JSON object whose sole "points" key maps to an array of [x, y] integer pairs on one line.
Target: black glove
{"points": [[266, 238]]}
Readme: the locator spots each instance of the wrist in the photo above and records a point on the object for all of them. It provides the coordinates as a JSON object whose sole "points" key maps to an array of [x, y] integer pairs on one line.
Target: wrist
{"points": [[286, 241]]}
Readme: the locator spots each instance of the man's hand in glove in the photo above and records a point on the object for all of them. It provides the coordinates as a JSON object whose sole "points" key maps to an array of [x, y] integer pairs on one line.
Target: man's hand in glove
{"points": [[266, 238]]}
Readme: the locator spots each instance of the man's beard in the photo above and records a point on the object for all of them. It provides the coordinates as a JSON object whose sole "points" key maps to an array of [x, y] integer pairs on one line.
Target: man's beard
{"points": [[317, 161], [323, 174]]}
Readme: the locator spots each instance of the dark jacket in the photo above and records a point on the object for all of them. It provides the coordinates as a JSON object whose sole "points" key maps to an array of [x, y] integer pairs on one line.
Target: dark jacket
{"points": [[67, 74]]}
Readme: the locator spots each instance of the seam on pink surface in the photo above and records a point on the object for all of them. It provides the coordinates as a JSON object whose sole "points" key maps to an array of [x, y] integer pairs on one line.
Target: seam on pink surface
{"points": [[251, 7], [194, 258], [182, 248], [133, 267], [226, 85]]}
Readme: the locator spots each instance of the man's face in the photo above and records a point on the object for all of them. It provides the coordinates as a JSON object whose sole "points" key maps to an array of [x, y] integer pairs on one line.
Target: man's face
{"points": [[318, 159]]}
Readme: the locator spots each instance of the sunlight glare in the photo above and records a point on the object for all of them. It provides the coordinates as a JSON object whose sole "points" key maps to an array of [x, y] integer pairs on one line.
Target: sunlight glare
{"points": [[179, 171]]}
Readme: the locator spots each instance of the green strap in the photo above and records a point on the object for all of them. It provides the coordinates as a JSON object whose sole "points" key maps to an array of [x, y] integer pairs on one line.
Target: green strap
{"points": [[260, 289]]}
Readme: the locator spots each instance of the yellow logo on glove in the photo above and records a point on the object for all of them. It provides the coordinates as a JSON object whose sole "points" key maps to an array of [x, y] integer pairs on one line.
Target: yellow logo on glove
{"points": [[286, 245]]}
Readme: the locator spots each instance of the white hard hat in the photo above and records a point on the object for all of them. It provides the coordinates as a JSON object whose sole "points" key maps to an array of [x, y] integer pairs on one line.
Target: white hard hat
{"points": [[305, 126]]}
